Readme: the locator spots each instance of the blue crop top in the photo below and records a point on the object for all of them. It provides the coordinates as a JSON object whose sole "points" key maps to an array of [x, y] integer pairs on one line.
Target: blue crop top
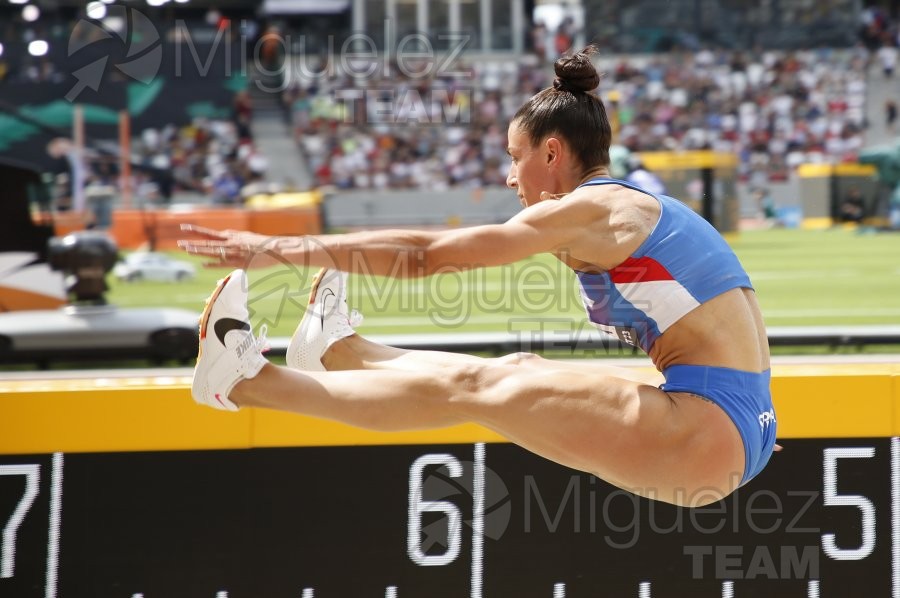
{"points": [[683, 263]]}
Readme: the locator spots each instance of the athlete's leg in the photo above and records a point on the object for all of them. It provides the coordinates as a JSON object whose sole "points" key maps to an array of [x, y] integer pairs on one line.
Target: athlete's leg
{"points": [[359, 353], [325, 340], [669, 447], [680, 449]]}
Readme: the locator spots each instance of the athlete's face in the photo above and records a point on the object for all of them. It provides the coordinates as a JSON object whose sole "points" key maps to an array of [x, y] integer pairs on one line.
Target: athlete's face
{"points": [[530, 171]]}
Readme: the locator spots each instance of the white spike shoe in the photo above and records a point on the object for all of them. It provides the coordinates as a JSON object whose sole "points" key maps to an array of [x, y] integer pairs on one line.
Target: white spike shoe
{"points": [[326, 321], [229, 352]]}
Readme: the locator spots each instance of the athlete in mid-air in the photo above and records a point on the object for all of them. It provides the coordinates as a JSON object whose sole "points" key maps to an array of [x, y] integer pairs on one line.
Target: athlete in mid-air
{"points": [[651, 271]]}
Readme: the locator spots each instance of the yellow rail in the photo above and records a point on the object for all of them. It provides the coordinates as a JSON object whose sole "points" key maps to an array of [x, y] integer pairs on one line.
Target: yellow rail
{"points": [[151, 414]]}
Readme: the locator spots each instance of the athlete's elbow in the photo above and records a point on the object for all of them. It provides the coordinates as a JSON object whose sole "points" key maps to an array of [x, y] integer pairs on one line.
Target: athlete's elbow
{"points": [[437, 255], [427, 261]]}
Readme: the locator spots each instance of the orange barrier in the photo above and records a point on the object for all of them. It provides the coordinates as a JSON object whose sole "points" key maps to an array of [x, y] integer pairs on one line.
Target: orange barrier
{"points": [[132, 228]]}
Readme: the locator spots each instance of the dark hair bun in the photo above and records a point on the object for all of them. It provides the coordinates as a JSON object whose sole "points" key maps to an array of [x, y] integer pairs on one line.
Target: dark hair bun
{"points": [[576, 73]]}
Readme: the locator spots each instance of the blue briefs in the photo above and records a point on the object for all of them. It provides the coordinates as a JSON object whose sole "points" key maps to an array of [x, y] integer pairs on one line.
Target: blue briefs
{"points": [[744, 396]]}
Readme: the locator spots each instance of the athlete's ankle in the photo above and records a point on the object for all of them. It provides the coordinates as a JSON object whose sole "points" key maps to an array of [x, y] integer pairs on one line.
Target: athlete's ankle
{"points": [[343, 354], [243, 394]]}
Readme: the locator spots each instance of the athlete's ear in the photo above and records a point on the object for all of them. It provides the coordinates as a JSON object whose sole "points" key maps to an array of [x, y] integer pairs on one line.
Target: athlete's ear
{"points": [[554, 150]]}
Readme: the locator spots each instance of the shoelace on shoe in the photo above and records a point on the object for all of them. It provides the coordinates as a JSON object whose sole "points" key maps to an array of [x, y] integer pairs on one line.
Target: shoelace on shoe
{"points": [[356, 318], [262, 343]]}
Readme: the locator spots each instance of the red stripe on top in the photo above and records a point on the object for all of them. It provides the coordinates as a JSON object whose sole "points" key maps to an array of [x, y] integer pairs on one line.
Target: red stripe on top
{"points": [[641, 269]]}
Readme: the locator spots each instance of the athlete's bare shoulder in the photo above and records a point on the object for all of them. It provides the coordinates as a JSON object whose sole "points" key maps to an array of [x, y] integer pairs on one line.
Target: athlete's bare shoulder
{"points": [[611, 221], [612, 198], [621, 210]]}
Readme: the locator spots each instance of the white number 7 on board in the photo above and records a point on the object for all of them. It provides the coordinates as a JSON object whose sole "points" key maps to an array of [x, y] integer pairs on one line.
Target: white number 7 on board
{"points": [[32, 475]]}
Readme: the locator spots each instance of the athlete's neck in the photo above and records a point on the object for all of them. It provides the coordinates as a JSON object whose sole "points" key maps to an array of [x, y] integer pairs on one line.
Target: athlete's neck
{"points": [[600, 171]]}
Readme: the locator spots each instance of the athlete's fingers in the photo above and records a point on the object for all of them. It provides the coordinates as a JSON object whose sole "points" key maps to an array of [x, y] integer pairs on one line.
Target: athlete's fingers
{"points": [[204, 231], [222, 256], [226, 263], [212, 248], [199, 243]]}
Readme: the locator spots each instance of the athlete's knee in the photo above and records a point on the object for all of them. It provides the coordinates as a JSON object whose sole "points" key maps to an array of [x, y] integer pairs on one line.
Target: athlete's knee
{"points": [[481, 382], [482, 390], [519, 358], [470, 378]]}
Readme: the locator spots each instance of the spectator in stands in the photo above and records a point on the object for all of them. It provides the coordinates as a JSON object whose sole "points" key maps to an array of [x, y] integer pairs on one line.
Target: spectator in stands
{"points": [[539, 35], [300, 108], [100, 194], [271, 49], [643, 177], [243, 114], [890, 115], [226, 187], [765, 205], [853, 207], [249, 31], [887, 56], [565, 35]]}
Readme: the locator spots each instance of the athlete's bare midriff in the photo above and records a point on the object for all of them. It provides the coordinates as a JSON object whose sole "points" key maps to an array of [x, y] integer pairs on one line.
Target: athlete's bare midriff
{"points": [[726, 331]]}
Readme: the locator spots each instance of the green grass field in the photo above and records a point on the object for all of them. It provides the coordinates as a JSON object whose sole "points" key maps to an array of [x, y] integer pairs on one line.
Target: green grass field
{"points": [[828, 277]]}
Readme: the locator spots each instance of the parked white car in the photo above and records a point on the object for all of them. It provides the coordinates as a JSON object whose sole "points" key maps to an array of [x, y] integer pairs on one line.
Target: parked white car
{"points": [[149, 265]]}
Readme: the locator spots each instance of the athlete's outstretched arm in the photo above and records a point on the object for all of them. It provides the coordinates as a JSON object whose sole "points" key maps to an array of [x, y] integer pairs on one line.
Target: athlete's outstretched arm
{"points": [[548, 226]]}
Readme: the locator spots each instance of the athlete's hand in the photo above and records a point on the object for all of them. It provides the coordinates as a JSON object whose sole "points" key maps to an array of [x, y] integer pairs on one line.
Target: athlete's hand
{"points": [[234, 248]]}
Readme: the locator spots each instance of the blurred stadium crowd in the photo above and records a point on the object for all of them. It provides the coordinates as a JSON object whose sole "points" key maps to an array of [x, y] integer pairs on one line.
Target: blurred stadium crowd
{"points": [[775, 109], [215, 157]]}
